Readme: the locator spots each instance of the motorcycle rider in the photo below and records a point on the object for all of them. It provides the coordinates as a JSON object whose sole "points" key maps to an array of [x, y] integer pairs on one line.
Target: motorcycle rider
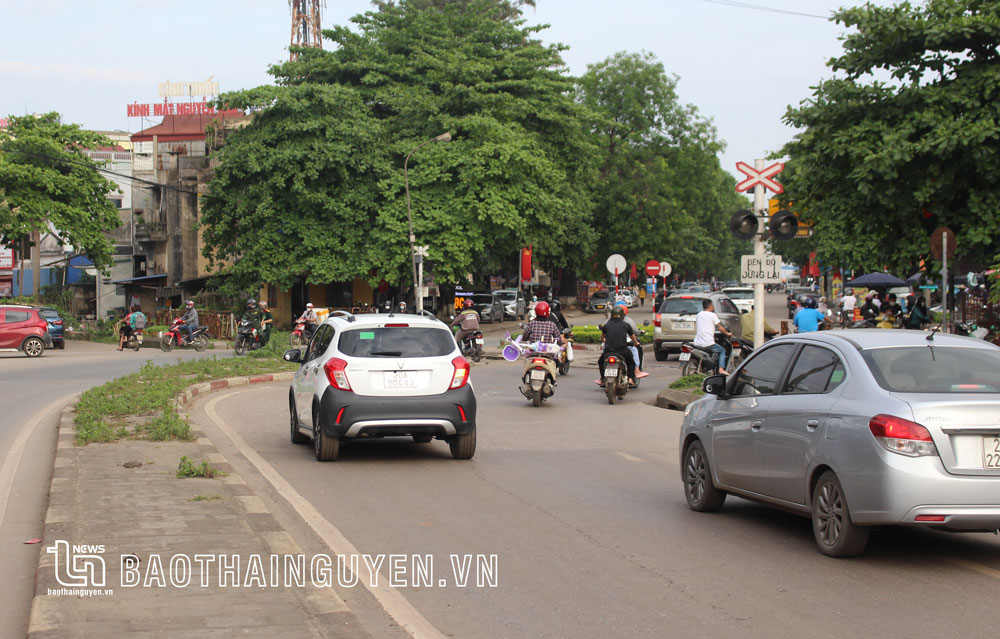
{"points": [[637, 353], [542, 328], [310, 320], [809, 318], [253, 316], [555, 315], [706, 323], [130, 324], [615, 334], [467, 321], [190, 321], [746, 324]]}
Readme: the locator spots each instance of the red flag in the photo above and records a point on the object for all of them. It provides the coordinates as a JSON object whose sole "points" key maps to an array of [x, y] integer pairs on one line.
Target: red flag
{"points": [[526, 264], [634, 273]]}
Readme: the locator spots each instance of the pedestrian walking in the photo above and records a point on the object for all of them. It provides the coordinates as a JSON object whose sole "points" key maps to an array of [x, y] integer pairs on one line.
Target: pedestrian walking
{"points": [[642, 297]]}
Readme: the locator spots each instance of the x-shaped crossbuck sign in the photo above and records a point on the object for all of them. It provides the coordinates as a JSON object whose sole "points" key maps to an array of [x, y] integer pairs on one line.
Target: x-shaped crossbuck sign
{"points": [[755, 177]]}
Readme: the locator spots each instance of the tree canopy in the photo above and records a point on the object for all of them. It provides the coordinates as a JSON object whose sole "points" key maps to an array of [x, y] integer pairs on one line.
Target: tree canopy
{"points": [[46, 178], [314, 186], [904, 138]]}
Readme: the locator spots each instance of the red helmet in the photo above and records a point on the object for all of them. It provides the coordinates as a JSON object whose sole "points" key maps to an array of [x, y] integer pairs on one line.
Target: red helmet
{"points": [[467, 303], [542, 309]]}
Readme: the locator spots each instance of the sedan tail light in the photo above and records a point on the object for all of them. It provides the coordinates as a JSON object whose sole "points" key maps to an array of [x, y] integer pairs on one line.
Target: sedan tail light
{"points": [[336, 372], [461, 376], [902, 436]]}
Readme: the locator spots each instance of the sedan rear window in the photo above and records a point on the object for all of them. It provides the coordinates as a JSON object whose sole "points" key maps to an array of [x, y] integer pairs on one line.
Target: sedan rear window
{"points": [[482, 299], [691, 306], [935, 369], [396, 341]]}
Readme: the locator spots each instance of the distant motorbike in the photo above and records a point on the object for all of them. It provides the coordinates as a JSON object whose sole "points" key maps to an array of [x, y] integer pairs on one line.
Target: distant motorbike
{"points": [[248, 338], [615, 378], [472, 345], [300, 334], [134, 340], [174, 338], [538, 377], [704, 359], [566, 355]]}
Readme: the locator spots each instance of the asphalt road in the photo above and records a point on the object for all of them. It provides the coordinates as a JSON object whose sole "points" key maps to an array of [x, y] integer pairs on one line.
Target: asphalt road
{"points": [[583, 505], [32, 394]]}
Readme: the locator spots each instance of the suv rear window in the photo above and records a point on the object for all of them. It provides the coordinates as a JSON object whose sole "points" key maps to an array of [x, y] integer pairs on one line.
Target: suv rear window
{"points": [[396, 341], [935, 369], [691, 306]]}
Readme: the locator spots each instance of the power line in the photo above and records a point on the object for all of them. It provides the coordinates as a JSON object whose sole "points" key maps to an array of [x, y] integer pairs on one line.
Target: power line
{"points": [[757, 7]]}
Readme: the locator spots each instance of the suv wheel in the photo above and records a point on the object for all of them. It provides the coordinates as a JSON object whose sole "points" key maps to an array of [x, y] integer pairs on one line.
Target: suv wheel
{"points": [[463, 446], [326, 448], [661, 354], [33, 347], [297, 436]]}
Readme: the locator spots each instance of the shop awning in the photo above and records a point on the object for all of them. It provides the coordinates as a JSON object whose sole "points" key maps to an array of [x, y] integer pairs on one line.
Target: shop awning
{"points": [[144, 278]]}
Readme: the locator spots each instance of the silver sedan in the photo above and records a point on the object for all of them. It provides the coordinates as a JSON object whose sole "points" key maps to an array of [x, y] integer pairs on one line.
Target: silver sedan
{"points": [[854, 429]]}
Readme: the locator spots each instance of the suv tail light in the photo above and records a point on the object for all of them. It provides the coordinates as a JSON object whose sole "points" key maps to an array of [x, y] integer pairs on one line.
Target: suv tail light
{"points": [[461, 376], [902, 436], [336, 372], [57, 322], [657, 320]]}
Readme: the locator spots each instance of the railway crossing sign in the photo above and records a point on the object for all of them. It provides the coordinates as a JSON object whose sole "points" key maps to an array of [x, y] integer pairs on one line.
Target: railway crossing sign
{"points": [[762, 177]]}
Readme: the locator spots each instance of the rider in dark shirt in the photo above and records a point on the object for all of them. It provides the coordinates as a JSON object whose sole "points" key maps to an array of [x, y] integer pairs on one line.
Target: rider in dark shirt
{"points": [[616, 339]]}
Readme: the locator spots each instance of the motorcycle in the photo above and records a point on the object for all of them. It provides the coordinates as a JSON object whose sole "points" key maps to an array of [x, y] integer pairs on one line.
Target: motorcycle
{"points": [[566, 355], [538, 377], [704, 359], [300, 334], [615, 378], [471, 345], [134, 340], [247, 338], [173, 338]]}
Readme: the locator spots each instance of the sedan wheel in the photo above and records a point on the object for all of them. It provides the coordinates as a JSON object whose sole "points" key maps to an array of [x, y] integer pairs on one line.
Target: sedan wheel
{"points": [[700, 492], [836, 535], [33, 347]]}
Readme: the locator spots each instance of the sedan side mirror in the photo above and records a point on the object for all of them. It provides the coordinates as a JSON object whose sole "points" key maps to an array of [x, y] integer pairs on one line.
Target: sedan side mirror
{"points": [[714, 385], [293, 355]]}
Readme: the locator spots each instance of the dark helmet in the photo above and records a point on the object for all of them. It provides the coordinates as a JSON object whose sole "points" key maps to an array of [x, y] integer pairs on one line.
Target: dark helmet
{"points": [[467, 303], [809, 302], [555, 305], [618, 312], [542, 309]]}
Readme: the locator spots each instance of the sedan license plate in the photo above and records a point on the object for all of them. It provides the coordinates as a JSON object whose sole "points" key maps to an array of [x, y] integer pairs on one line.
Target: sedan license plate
{"points": [[400, 379], [537, 374], [684, 357], [480, 341], [991, 452], [683, 325]]}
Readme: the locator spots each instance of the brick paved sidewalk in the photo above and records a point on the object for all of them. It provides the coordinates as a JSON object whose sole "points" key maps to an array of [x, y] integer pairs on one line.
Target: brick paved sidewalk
{"points": [[126, 497]]}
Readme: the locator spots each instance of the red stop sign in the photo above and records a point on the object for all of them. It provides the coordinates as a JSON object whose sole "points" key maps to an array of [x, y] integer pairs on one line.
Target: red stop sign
{"points": [[652, 268]]}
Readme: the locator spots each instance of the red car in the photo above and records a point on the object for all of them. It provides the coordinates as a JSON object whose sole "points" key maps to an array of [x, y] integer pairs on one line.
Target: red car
{"points": [[23, 328]]}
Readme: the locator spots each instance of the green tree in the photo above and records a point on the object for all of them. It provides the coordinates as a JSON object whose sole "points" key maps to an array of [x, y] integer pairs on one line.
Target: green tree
{"points": [[514, 174], [661, 192], [904, 137], [47, 179]]}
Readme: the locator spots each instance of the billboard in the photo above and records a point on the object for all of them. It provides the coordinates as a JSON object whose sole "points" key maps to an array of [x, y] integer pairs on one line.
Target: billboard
{"points": [[6, 258]]}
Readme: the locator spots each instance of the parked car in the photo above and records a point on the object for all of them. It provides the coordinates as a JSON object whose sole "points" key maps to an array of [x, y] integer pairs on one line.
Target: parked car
{"points": [[854, 429], [742, 297], [56, 327], [23, 328], [673, 323], [599, 302], [370, 376], [489, 307], [629, 296], [514, 305]]}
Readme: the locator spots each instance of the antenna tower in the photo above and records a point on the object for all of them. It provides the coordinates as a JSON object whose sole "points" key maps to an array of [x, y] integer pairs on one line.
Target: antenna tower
{"points": [[305, 24]]}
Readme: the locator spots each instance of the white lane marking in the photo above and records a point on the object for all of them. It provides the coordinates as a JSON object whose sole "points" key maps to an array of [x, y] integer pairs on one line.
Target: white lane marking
{"points": [[631, 458], [394, 604], [13, 460], [971, 565]]}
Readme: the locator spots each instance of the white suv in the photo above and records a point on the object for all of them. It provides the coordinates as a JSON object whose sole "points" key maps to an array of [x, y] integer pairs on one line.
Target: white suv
{"points": [[366, 376]]}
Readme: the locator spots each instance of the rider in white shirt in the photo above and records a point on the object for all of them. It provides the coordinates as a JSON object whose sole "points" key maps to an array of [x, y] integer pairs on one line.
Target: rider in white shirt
{"points": [[706, 323]]}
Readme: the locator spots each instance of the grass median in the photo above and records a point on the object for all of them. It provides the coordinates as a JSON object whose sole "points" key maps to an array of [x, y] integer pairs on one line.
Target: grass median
{"points": [[140, 405]]}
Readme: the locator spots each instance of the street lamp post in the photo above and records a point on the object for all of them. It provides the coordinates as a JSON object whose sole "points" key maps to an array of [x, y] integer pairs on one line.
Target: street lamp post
{"points": [[418, 285]]}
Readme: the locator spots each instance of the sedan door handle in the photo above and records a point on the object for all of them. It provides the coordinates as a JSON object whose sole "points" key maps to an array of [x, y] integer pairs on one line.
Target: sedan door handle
{"points": [[755, 425], [812, 424]]}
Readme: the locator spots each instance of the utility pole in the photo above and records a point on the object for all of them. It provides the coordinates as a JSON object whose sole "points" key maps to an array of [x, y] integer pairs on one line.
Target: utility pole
{"points": [[759, 251]]}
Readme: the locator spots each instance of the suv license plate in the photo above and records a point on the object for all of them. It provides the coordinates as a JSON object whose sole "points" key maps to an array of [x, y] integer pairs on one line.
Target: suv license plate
{"points": [[991, 452], [684, 357], [537, 374], [400, 379], [480, 341], [683, 325]]}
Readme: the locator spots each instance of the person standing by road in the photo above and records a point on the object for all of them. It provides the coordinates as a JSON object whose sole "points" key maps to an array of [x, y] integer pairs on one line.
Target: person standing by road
{"points": [[919, 315], [706, 323], [266, 319]]}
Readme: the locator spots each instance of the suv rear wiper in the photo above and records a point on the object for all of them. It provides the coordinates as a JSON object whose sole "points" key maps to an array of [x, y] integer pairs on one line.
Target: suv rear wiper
{"points": [[387, 353]]}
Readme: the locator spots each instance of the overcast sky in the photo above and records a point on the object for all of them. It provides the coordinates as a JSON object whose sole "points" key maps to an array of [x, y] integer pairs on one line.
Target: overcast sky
{"points": [[87, 59]]}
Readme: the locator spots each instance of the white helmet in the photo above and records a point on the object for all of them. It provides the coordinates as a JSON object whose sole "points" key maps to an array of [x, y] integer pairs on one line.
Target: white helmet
{"points": [[309, 305]]}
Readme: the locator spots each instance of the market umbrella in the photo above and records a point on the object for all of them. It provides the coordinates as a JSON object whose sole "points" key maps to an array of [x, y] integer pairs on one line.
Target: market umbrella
{"points": [[916, 277], [876, 280]]}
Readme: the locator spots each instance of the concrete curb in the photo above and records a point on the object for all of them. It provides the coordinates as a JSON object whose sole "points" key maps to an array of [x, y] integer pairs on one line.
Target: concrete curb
{"points": [[672, 399], [51, 617]]}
